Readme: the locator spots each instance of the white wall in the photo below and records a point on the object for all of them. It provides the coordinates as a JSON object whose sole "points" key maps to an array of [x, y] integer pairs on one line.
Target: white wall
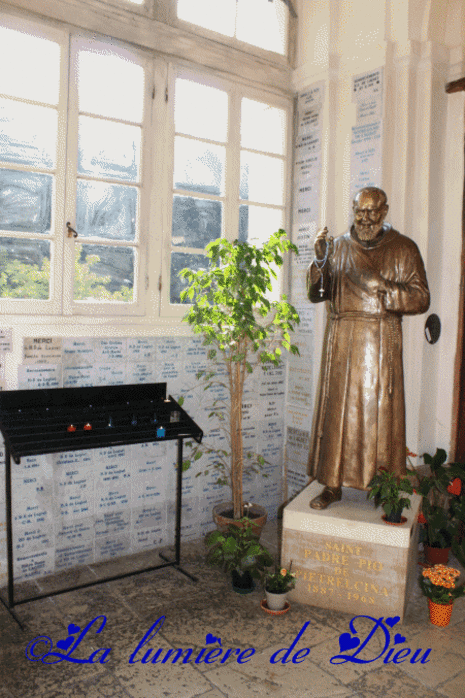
{"points": [[419, 45]]}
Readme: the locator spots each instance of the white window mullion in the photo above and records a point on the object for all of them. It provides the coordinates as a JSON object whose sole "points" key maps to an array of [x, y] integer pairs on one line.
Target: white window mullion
{"points": [[233, 168], [162, 205], [71, 170]]}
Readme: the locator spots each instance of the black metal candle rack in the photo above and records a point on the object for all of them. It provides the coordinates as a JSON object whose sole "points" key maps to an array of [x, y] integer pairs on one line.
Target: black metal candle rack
{"points": [[35, 422]]}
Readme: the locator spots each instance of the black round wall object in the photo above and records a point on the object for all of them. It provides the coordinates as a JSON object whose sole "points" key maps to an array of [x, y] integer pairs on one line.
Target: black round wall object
{"points": [[432, 328]]}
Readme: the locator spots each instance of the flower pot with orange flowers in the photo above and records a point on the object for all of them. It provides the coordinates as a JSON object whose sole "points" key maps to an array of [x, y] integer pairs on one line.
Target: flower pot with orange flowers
{"points": [[439, 585], [277, 585], [443, 508]]}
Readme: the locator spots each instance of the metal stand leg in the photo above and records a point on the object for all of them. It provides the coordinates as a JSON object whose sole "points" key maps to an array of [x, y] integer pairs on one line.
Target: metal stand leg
{"points": [[9, 539], [177, 539]]}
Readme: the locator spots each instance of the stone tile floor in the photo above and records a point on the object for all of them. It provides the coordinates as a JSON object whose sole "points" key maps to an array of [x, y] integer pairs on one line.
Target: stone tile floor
{"points": [[134, 604]]}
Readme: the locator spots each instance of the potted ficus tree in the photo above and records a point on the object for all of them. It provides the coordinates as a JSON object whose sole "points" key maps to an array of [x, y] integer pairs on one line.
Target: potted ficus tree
{"points": [[231, 308]]}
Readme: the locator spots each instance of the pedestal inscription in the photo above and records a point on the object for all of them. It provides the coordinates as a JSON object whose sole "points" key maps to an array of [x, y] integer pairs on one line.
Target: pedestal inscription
{"points": [[348, 559]]}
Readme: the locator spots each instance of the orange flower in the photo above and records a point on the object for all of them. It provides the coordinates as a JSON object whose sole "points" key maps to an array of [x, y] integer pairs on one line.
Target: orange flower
{"points": [[283, 572], [441, 576], [421, 518]]}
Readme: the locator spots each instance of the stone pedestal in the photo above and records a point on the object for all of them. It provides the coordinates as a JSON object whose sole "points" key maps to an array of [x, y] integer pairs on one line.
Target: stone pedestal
{"points": [[346, 558]]}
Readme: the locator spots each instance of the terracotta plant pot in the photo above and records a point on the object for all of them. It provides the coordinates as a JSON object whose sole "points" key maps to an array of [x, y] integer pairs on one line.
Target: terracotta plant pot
{"points": [[223, 516], [440, 613], [394, 517], [403, 519], [436, 556]]}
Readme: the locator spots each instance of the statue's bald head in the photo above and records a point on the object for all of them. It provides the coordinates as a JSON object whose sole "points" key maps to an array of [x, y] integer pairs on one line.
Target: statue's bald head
{"points": [[370, 209], [376, 195]]}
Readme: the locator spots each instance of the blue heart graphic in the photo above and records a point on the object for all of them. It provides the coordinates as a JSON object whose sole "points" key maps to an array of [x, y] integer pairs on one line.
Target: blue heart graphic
{"points": [[211, 639], [65, 644], [347, 642], [73, 629], [392, 621], [398, 638]]}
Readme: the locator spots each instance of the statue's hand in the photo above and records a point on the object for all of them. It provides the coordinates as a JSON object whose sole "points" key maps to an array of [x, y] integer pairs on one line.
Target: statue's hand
{"points": [[322, 244]]}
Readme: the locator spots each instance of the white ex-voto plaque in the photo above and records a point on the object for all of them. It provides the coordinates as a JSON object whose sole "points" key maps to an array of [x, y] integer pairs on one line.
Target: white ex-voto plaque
{"points": [[78, 352], [307, 158], [80, 553], [366, 143], [137, 372], [366, 151], [115, 546], [141, 349], [42, 350], [6, 339], [37, 376], [110, 350], [79, 377], [30, 565], [113, 373]]}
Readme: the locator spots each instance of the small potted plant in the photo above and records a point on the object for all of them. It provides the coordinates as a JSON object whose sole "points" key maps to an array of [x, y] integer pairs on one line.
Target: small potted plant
{"points": [[239, 552], [245, 330], [277, 584], [438, 584], [443, 508], [388, 489]]}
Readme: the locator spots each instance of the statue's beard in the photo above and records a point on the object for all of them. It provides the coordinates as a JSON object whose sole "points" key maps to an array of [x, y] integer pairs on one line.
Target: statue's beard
{"points": [[368, 232]]}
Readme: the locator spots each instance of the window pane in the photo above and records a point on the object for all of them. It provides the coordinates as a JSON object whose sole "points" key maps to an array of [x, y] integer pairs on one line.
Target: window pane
{"points": [[262, 178], [108, 150], [30, 66], [179, 261], [27, 134], [106, 210], [258, 223], [219, 16], [110, 86], [263, 127], [24, 268], [25, 201], [262, 23], [196, 222], [199, 166], [104, 273], [200, 110]]}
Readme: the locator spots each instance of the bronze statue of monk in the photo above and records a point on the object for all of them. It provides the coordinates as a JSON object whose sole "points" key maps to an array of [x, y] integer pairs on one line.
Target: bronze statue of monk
{"points": [[371, 276]]}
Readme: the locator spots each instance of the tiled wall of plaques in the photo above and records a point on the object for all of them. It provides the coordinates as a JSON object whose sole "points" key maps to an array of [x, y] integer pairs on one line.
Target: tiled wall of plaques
{"points": [[87, 506]]}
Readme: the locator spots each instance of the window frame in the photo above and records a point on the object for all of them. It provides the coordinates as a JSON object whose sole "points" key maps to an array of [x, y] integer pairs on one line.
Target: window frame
{"points": [[285, 58], [232, 201], [52, 306], [239, 70], [79, 40]]}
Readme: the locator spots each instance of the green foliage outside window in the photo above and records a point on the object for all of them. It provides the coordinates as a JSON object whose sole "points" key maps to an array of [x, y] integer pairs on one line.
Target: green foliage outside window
{"points": [[21, 280]]}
